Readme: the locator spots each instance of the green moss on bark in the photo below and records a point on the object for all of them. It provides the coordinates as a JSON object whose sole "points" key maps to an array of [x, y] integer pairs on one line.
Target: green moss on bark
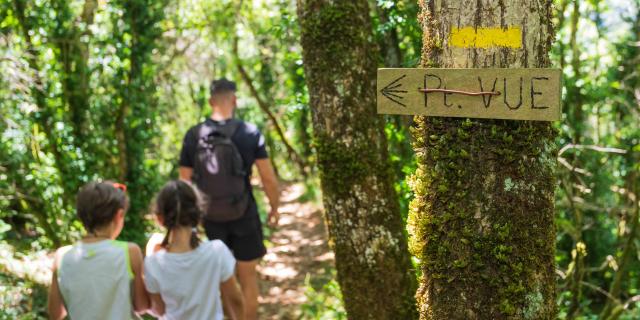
{"points": [[342, 166], [361, 208], [482, 219]]}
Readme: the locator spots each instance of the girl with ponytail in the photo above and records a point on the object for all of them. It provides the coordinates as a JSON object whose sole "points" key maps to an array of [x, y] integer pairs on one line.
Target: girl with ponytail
{"points": [[185, 277]]}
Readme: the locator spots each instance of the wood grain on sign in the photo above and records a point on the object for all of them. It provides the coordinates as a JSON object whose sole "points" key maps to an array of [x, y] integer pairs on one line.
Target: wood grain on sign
{"points": [[519, 94]]}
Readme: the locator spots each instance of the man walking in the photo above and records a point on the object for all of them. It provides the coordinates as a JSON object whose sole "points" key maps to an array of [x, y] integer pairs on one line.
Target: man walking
{"points": [[217, 155]]}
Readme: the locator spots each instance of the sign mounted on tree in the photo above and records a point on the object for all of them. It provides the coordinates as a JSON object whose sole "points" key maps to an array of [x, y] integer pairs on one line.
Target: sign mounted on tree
{"points": [[518, 94]]}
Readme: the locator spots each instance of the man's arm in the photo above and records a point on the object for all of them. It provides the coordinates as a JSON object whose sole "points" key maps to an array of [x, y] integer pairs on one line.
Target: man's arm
{"points": [[187, 154], [185, 173], [271, 188]]}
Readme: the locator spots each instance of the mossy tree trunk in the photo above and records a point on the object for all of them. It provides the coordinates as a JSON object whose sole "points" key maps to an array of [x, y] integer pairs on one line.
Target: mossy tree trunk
{"points": [[361, 208], [482, 221]]}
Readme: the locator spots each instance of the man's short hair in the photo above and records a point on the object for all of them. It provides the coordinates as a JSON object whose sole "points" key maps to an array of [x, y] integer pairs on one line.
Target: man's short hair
{"points": [[221, 86]]}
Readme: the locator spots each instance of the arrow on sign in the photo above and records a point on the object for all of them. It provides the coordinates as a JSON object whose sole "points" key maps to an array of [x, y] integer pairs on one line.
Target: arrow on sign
{"points": [[392, 92]]}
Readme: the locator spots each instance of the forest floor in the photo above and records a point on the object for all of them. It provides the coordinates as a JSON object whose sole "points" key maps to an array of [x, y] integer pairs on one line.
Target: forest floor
{"points": [[297, 258]]}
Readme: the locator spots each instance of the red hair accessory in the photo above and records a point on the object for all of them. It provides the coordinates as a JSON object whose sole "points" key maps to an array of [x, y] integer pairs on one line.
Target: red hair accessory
{"points": [[120, 186]]}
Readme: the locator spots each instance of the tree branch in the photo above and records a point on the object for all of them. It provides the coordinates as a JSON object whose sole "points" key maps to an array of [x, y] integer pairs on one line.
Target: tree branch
{"points": [[293, 154]]}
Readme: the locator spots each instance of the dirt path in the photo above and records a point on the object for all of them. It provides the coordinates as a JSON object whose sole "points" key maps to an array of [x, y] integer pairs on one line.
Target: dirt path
{"points": [[299, 249]]}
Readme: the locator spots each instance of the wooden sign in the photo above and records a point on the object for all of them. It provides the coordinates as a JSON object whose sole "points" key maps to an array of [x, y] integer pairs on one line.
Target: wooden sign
{"points": [[519, 94]]}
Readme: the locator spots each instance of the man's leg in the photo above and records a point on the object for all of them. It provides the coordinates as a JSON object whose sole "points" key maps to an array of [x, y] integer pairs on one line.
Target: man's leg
{"points": [[248, 277], [247, 247]]}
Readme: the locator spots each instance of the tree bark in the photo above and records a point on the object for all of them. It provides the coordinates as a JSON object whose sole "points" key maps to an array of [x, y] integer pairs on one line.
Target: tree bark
{"points": [[482, 220], [361, 209]]}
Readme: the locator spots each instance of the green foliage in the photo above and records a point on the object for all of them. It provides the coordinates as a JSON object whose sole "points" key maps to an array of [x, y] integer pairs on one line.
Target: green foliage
{"points": [[23, 280], [21, 299], [595, 217], [108, 93], [397, 29], [324, 299], [135, 91], [83, 109], [402, 160]]}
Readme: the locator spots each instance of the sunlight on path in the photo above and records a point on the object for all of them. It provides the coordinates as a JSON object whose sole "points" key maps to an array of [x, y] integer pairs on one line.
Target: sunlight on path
{"points": [[299, 247]]}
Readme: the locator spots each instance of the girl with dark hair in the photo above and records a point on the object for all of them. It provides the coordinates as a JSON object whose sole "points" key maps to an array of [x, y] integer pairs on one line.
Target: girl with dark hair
{"points": [[99, 277], [185, 277]]}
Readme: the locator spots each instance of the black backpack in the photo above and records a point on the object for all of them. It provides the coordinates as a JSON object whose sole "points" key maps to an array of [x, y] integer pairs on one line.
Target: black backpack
{"points": [[219, 172]]}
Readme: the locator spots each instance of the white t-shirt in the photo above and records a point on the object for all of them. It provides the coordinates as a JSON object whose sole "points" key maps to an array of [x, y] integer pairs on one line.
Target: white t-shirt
{"points": [[95, 280], [189, 282]]}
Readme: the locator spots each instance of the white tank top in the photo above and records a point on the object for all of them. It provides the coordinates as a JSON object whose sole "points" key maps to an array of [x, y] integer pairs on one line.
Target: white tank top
{"points": [[95, 280]]}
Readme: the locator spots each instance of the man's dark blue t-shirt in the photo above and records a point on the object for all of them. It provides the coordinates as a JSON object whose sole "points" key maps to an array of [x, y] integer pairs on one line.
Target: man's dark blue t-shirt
{"points": [[248, 140]]}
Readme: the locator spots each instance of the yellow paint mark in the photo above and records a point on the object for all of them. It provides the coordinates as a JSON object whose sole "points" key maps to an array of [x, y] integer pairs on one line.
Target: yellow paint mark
{"points": [[470, 37]]}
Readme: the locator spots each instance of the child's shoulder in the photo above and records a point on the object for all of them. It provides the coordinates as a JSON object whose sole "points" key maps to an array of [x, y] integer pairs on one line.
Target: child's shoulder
{"points": [[62, 251], [133, 255], [132, 248], [212, 247], [217, 249], [125, 244], [214, 244]]}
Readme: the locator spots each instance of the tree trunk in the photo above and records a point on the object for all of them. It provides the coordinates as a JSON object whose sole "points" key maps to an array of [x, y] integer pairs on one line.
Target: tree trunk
{"points": [[136, 102], [361, 209], [73, 53], [482, 221], [44, 117]]}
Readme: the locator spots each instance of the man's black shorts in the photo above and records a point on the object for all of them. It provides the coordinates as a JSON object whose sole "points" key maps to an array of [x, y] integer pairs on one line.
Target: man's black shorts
{"points": [[243, 236]]}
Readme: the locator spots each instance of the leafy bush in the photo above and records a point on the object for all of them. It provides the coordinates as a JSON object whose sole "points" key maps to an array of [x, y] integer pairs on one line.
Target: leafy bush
{"points": [[324, 300]]}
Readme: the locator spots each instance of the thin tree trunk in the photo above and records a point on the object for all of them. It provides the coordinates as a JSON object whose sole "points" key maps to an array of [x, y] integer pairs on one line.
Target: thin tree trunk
{"points": [[628, 68], [482, 221], [577, 271], [628, 249], [73, 53], [361, 206], [574, 90], [392, 54], [390, 44], [44, 116], [272, 148], [560, 15], [121, 130], [293, 154]]}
